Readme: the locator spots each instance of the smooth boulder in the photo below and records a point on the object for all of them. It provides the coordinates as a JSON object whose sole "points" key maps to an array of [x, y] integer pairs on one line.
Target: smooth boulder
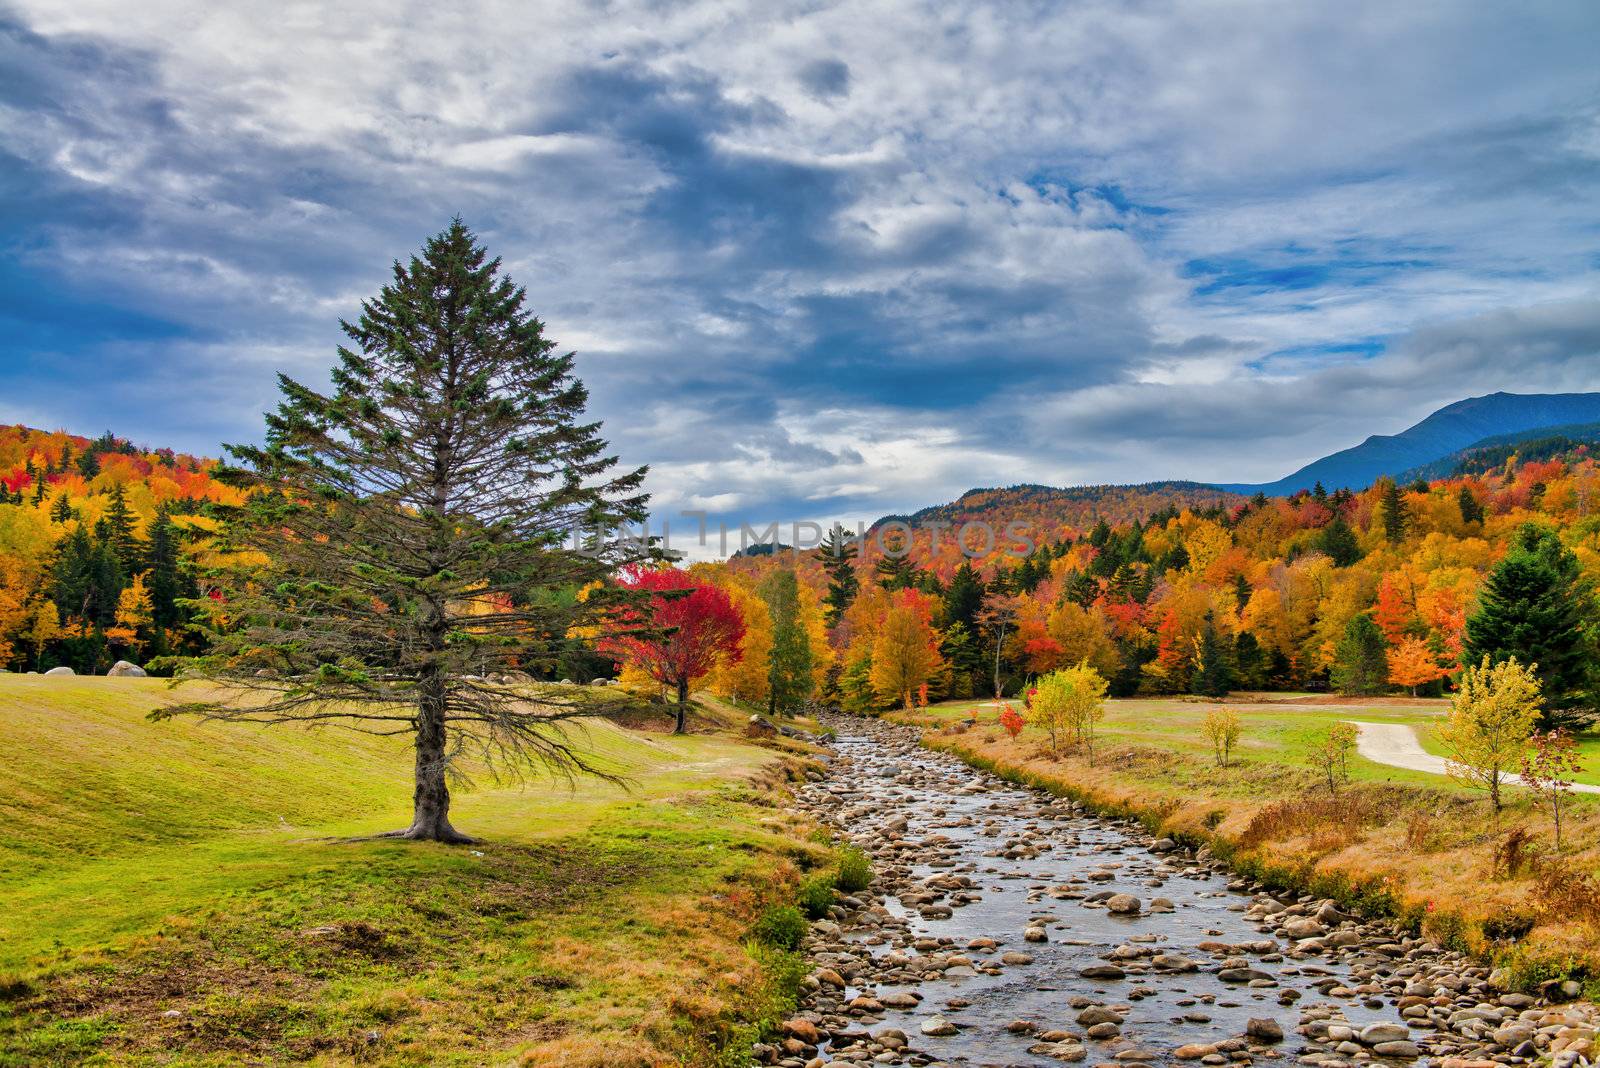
{"points": [[123, 669]]}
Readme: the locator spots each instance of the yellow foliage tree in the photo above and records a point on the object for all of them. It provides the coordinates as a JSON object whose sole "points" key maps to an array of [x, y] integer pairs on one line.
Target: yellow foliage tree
{"points": [[903, 655], [1084, 635], [135, 612], [746, 678], [1067, 704], [1492, 714], [43, 626]]}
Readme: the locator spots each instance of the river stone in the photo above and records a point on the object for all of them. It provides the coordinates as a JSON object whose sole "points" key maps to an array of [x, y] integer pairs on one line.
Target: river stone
{"points": [[938, 1027], [1400, 1049], [1304, 927], [1103, 1031], [1193, 1051], [1241, 975], [1035, 934], [1263, 1030], [1372, 1034], [1061, 1051], [1102, 971], [1123, 904], [1098, 1014], [900, 999], [803, 1029]]}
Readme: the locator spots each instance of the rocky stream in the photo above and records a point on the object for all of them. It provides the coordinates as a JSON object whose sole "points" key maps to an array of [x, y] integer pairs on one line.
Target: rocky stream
{"points": [[1006, 927]]}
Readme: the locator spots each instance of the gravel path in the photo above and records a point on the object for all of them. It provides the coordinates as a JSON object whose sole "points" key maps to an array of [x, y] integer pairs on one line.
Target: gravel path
{"points": [[1396, 745]]}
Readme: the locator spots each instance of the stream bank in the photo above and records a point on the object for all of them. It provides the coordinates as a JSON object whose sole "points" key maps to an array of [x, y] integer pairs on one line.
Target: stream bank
{"points": [[1009, 927]]}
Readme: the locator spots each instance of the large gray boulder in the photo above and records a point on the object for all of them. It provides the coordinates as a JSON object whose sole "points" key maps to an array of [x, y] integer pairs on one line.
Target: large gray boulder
{"points": [[122, 669], [61, 671]]}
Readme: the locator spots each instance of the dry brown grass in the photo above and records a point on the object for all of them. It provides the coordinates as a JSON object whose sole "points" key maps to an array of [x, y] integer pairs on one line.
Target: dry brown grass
{"points": [[1331, 821]]}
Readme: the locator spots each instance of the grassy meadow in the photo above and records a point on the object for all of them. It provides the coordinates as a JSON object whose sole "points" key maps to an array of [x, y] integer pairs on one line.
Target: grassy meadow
{"points": [[178, 892], [1408, 842]]}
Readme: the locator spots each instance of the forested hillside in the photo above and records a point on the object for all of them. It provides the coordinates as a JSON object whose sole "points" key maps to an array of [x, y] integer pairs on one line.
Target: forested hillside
{"points": [[1372, 591], [97, 541]]}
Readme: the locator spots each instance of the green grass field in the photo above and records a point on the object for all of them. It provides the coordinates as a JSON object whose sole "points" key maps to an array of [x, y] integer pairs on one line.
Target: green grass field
{"points": [[178, 889], [1280, 729]]}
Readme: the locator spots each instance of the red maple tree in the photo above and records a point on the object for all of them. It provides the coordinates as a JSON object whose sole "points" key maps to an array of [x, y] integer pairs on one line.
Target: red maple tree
{"points": [[691, 627]]}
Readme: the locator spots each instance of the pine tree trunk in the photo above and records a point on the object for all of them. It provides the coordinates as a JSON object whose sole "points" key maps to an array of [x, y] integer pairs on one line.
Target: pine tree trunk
{"points": [[683, 705], [430, 821]]}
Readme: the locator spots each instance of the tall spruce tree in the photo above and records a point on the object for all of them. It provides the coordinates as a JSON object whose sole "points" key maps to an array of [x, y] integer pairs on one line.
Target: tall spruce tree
{"points": [[963, 598], [120, 530], [1536, 606], [418, 526], [1396, 518], [1339, 542], [839, 552], [789, 678], [1361, 659], [1214, 674], [1471, 510]]}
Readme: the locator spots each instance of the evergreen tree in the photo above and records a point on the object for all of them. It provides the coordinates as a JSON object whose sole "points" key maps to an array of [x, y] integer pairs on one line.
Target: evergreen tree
{"points": [[1536, 606], [960, 650], [1471, 510], [1241, 590], [1361, 659], [1396, 520], [1339, 542], [839, 552], [963, 600], [120, 529], [421, 526], [895, 570], [789, 678], [165, 580], [1213, 676], [1248, 661], [71, 575], [61, 511], [1080, 588]]}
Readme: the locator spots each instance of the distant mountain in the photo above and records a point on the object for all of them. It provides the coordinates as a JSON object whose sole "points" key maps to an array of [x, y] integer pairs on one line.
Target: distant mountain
{"points": [[1450, 429], [1543, 443], [1051, 512]]}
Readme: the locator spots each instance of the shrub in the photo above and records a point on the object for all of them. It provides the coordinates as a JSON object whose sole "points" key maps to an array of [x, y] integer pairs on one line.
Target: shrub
{"points": [[1563, 893], [1507, 925], [1011, 720], [1222, 730], [1513, 854], [1330, 818], [1419, 831], [1331, 754], [855, 870], [815, 896], [781, 926]]}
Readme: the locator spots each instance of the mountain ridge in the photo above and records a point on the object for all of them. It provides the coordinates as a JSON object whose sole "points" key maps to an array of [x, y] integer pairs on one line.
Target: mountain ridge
{"points": [[1452, 428]]}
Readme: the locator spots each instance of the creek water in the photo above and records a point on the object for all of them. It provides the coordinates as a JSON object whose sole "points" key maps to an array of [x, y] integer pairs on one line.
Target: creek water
{"points": [[1037, 861]]}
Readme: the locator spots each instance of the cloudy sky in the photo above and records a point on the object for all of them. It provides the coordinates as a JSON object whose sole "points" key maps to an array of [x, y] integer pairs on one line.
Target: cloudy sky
{"points": [[823, 260]]}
